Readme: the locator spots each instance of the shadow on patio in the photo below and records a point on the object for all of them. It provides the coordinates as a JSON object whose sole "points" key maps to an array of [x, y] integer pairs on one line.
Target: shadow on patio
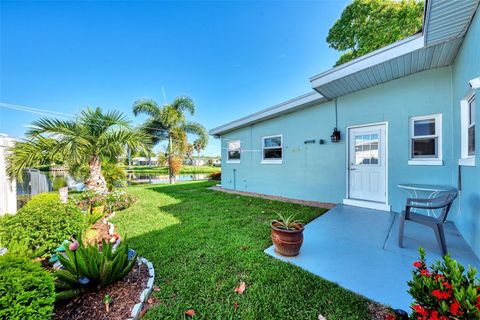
{"points": [[358, 249]]}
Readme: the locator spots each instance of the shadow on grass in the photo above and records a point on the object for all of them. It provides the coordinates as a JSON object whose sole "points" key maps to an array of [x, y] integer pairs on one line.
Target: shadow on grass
{"points": [[203, 243]]}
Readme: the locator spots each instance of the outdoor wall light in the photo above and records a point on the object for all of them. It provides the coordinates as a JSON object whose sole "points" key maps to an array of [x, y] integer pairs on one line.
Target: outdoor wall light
{"points": [[321, 141], [335, 135]]}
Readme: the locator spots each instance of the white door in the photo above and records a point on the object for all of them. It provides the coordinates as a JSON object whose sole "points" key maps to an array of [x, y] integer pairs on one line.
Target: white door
{"points": [[367, 163]]}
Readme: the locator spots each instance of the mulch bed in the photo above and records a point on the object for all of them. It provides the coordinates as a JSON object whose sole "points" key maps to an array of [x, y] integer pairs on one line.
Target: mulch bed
{"points": [[125, 294], [102, 232]]}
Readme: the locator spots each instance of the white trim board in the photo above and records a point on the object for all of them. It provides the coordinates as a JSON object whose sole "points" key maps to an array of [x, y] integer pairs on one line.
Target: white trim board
{"points": [[291, 105], [367, 204]]}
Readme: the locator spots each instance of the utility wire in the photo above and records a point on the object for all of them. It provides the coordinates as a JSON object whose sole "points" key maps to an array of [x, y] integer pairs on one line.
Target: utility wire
{"points": [[43, 112]]}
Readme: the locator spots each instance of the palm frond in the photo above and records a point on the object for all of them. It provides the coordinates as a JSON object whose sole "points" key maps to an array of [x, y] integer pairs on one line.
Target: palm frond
{"points": [[184, 104], [146, 106]]}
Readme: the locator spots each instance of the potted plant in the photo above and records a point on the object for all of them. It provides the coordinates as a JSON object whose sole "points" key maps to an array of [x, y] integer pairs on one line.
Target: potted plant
{"points": [[287, 235]]}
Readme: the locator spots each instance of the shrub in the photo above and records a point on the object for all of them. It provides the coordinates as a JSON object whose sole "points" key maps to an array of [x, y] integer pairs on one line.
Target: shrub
{"points": [[26, 290], [119, 200], [444, 291], [42, 223], [114, 174], [175, 165], [217, 176], [101, 266]]}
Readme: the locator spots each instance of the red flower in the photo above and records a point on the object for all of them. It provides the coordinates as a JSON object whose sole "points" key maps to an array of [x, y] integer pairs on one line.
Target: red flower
{"points": [[420, 310], [447, 285], [454, 307], [425, 272], [390, 317], [439, 276], [441, 294], [418, 264], [434, 315]]}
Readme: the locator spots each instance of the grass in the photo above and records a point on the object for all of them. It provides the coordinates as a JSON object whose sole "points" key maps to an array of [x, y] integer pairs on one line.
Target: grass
{"points": [[184, 170], [203, 243]]}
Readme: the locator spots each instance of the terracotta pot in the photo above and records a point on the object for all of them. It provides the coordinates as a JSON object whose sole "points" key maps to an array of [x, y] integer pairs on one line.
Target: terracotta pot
{"points": [[287, 242]]}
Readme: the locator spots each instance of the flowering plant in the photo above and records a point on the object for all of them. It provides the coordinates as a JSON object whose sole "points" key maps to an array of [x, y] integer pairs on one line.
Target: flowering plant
{"points": [[90, 199], [119, 200], [444, 291]]}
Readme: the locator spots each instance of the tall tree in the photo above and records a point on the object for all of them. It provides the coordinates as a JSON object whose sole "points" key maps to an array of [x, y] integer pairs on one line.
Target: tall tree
{"points": [[367, 25], [168, 122], [92, 137], [201, 143]]}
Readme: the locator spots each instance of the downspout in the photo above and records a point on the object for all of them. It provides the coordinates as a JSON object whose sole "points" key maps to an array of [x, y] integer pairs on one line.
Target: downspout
{"points": [[234, 179]]}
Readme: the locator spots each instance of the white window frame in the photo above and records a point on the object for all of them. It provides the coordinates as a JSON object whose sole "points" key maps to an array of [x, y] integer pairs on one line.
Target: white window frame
{"points": [[229, 143], [272, 161], [465, 158], [431, 161]]}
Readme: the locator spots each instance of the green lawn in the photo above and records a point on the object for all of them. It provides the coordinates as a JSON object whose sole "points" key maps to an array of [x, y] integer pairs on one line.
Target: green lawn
{"points": [[203, 243], [184, 170]]}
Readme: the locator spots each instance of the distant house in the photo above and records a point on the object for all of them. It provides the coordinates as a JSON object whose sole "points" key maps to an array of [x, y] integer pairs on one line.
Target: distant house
{"points": [[195, 162], [144, 161], [405, 113]]}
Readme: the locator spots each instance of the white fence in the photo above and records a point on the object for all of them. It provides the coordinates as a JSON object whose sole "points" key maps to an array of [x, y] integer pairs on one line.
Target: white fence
{"points": [[8, 187]]}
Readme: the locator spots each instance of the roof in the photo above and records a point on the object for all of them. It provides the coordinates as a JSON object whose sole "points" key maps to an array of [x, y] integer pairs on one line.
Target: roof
{"points": [[444, 26], [291, 105]]}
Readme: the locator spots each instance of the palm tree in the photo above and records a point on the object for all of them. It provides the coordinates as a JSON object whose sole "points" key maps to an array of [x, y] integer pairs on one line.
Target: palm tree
{"points": [[93, 136], [168, 122], [200, 143]]}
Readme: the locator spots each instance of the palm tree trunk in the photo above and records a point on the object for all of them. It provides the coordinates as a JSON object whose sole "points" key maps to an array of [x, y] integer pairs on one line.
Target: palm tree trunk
{"points": [[198, 157], [170, 173], [95, 180]]}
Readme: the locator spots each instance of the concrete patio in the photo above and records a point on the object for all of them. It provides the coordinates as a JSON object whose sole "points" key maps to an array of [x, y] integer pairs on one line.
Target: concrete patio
{"points": [[357, 248]]}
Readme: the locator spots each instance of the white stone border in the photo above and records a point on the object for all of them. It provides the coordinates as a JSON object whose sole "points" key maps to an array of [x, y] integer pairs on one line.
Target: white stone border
{"points": [[137, 308]]}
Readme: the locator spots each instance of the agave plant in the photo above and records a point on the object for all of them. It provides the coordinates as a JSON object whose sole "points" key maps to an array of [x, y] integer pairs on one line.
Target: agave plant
{"points": [[101, 267], [286, 222]]}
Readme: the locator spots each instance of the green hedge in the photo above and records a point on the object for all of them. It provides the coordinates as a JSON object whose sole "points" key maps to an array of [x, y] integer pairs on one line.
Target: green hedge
{"points": [[43, 223], [27, 291]]}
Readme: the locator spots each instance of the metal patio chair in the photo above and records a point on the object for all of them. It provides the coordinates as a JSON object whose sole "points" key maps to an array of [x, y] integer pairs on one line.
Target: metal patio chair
{"points": [[443, 202]]}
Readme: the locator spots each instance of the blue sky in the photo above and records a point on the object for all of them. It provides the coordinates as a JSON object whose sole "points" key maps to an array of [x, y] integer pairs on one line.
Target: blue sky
{"points": [[233, 58]]}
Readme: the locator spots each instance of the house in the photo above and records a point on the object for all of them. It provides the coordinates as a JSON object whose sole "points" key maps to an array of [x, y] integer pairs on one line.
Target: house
{"points": [[403, 114], [195, 162], [144, 161]]}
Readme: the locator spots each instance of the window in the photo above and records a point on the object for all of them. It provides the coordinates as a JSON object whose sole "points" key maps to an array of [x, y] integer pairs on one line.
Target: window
{"points": [[233, 152], [272, 149], [471, 127], [468, 106], [366, 149], [426, 140]]}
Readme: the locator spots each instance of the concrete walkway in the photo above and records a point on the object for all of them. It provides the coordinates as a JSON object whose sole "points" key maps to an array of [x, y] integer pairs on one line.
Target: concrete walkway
{"points": [[357, 248]]}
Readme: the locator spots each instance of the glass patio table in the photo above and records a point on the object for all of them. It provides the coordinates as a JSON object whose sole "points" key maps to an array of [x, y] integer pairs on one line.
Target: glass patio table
{"points": [[426, 191]]}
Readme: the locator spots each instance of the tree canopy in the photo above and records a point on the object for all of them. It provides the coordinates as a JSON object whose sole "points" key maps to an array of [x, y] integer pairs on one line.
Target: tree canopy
{"points": [[367, 25], [169, 122], [92, 137]]}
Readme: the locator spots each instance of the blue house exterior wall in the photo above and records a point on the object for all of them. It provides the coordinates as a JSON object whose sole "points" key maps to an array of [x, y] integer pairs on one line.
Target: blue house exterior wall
{"points": [[318, 172], [465, 68]]}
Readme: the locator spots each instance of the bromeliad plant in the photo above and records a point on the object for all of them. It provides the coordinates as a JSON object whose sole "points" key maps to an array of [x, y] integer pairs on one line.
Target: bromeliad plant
{"points": [[101, 266], [287, 235], [444, 291], [286, 222]]}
